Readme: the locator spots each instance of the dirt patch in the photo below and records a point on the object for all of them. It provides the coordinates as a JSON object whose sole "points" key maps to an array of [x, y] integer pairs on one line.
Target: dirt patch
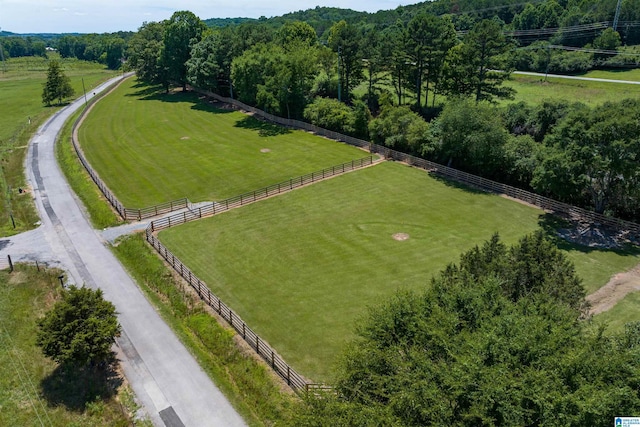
{"points": [[265, 150], [185, 137], [618, 287], [400, 236]]}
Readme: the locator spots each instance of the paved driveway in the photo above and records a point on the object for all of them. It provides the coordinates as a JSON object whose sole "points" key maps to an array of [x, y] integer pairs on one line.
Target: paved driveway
{"points": [[166, 379]]}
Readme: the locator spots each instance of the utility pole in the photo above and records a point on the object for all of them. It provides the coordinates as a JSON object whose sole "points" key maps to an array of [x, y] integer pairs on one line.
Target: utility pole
{"points": [[85, 93], [617, 16]]}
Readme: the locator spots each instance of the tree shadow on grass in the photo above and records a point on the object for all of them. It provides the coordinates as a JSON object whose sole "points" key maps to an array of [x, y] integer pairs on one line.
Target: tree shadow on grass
{"points": [[75, 387], [263, 128], [450, 182], [555, 227], [146, 92]]}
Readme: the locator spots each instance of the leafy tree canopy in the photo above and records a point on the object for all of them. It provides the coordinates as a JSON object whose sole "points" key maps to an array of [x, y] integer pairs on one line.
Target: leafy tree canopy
{"points": [[496, 340], [80, 328]]}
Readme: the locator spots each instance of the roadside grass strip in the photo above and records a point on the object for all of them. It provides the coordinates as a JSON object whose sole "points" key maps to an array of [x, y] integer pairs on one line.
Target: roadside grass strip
{"points": [[34, 390], [151, 147]]}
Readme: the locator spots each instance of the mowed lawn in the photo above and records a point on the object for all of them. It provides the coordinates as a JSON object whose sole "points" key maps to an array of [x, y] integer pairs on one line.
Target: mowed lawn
{"points": [[151, 147], [21, 113], [302, 267]]}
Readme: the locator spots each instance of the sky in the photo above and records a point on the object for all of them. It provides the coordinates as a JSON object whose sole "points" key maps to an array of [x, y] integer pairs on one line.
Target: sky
{"points": [[106, 16]]}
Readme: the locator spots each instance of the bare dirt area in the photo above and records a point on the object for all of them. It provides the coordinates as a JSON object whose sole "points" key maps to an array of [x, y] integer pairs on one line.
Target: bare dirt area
{"points": [[595, 236], [618, 287], [400, 236]]}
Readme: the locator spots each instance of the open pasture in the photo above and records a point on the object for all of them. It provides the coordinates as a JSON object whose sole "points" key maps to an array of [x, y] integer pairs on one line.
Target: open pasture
{"points": [[302, 267], [535, 89], [21, 81], [21, 87], [151, 147]]}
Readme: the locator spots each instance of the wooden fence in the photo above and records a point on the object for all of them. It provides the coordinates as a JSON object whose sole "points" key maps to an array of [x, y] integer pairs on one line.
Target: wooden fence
{"points": [[546, 203], [264, 350], [246, 198], [125, 213], [296, 381]]}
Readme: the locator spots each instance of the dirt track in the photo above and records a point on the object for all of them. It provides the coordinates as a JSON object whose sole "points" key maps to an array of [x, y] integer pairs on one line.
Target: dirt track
{"points": [[618, 287]]}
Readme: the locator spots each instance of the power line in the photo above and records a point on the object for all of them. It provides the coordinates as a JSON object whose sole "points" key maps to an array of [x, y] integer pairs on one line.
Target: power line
{"points": [[19, 373]]}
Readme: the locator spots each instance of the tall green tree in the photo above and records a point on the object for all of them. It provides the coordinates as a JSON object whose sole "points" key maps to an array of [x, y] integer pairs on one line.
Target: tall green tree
{"points": [[145, 53], [375, 64], [58, 85], [204, 69], [79, 329], [470, 136], [115, 48], [493, 341], [479, 66], [181, 31], [599, 150], [295, 33], [345, 40], [400, 128], [393, 43], [429, 38]]}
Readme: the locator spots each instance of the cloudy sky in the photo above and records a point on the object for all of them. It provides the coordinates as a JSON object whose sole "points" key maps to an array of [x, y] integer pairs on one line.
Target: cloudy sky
{"points": [[100, 16]]}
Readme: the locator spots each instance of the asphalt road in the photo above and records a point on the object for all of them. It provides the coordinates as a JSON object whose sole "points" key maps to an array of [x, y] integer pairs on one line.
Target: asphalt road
{"points": [[167, 380], [591, 79]]}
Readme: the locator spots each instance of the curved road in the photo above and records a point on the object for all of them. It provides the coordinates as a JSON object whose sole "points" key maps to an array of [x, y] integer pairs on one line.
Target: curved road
{"points": [[168, 382]]}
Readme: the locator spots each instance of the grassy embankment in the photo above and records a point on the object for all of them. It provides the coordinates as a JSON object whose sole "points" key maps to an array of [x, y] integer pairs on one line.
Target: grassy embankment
{"points": [[34, 390], [21, 102], [248, 384]]}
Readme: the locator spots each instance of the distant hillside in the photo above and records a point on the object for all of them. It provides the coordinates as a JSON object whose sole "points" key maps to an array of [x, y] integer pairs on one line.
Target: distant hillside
{"points": [[224, 22]]}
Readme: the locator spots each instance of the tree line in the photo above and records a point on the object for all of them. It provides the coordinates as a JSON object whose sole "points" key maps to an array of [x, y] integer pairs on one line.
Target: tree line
{"points": [[384, 86], [108, 48]]}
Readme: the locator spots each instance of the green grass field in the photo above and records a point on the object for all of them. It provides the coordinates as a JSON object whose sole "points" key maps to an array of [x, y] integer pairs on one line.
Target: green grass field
{"points": [[300, 268], [155, 147], [533, 89], [623, 312], [33, 390], [21, 100]]}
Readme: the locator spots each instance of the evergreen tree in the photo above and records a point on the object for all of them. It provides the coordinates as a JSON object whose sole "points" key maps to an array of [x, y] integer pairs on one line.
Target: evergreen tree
{"points": [[57, 86]]}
